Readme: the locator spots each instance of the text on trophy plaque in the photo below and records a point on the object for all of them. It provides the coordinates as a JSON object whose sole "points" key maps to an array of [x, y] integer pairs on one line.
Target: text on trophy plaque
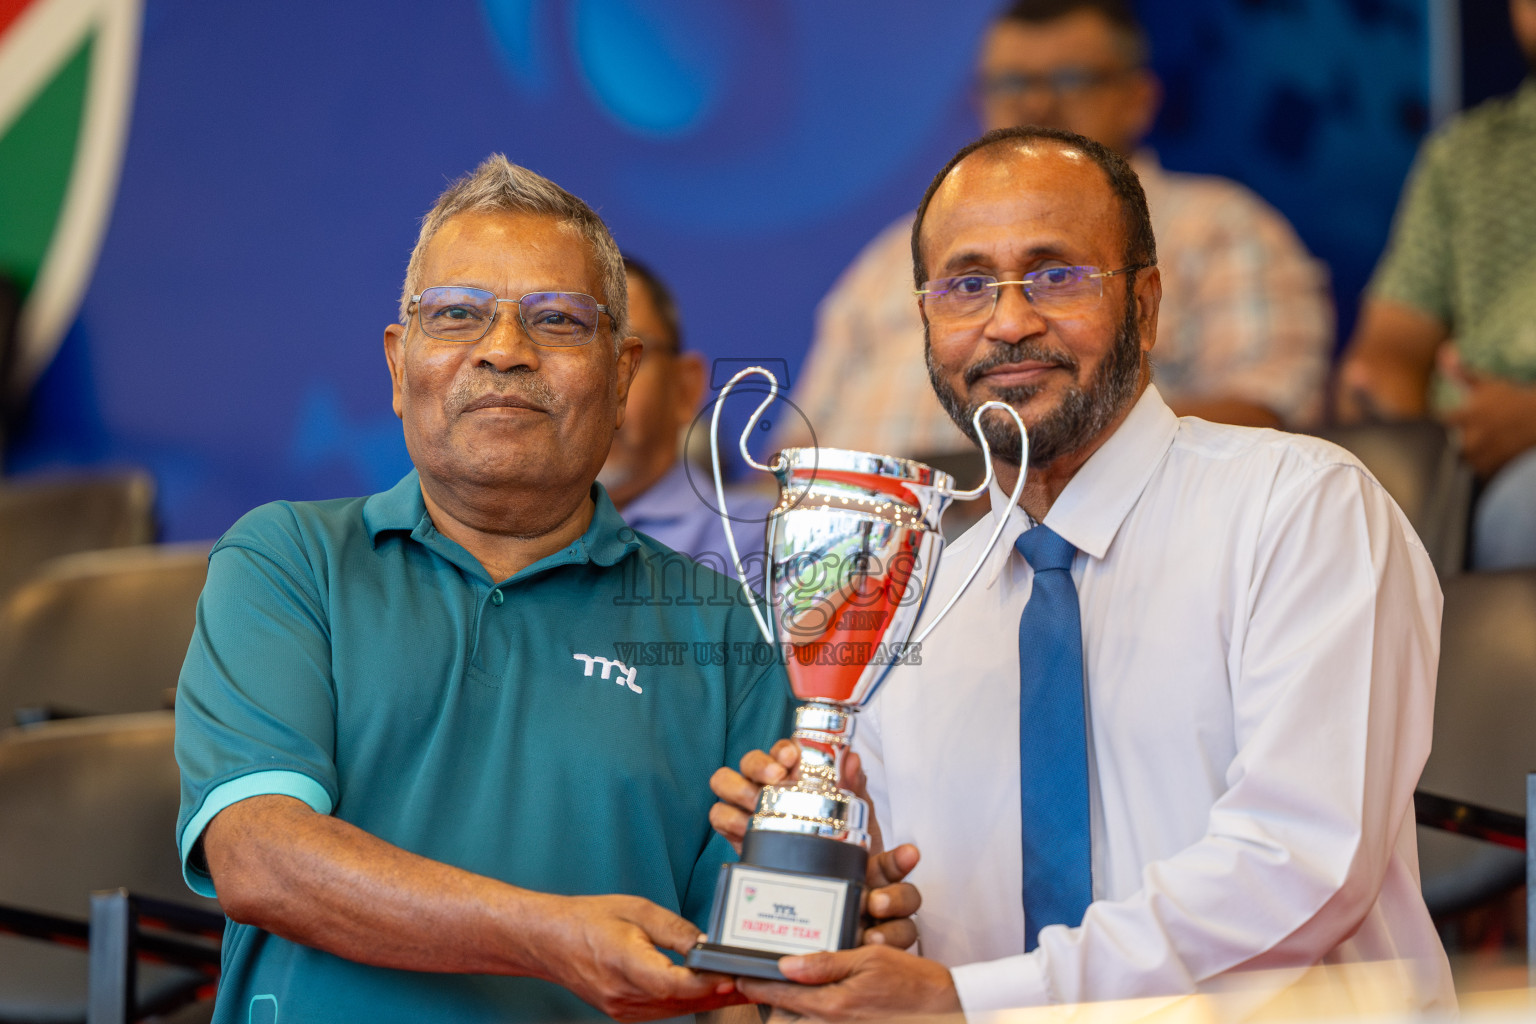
{"points": [[773, 911]]}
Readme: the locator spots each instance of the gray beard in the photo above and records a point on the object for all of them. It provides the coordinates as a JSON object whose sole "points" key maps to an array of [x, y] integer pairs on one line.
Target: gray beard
{"points": [[1083, 414]]}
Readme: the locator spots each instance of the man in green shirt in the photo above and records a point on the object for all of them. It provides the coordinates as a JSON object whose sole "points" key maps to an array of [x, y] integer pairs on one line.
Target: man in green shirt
{"points": [[1456, 292], [445, 750]]}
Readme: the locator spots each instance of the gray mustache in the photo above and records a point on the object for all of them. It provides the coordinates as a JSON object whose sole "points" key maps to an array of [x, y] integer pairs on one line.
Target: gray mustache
{"points": [[518, 383]]}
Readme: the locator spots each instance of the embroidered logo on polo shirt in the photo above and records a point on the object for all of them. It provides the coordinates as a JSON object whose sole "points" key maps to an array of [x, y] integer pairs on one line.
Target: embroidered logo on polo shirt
{"points": [[626, 674]]}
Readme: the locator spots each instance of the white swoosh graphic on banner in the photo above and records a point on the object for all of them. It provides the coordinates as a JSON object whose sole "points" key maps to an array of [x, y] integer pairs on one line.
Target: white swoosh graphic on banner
{"points": [[42, 37]]}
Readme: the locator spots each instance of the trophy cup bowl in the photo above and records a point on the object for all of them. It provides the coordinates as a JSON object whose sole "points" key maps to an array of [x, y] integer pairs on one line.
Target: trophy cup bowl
{"points": [[853, 545]]}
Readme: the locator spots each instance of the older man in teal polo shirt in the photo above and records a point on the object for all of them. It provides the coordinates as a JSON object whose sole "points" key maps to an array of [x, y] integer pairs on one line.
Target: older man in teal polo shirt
{"points": [[445, 750]]}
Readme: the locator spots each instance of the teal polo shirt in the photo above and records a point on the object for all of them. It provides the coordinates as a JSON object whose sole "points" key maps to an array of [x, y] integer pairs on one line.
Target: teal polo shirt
{"points": [[555, 730]]}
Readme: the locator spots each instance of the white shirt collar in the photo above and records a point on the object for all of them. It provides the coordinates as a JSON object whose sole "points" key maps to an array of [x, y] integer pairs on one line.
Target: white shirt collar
{"points": [[1089, 511]]}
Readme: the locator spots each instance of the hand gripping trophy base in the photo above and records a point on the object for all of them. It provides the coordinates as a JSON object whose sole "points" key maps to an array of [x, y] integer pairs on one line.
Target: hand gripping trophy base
{"points": [[800, 884]]}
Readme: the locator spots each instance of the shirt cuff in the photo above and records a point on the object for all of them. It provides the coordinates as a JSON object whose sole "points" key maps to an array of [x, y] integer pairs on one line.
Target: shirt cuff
{"points": [[270, 783], [1006, 984]]}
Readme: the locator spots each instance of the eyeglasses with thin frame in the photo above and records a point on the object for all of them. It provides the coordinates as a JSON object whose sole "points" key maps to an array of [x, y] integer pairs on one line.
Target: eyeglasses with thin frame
{"points": [[551, 319], [1054, 291], [1063, 83]]}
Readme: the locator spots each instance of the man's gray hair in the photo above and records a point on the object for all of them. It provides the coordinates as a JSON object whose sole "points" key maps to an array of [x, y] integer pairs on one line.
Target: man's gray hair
{"points": [[500, 185]]}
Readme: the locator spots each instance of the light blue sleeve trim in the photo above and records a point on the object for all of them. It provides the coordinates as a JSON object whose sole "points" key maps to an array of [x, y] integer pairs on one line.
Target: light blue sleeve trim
{"points": [[273, 783]]}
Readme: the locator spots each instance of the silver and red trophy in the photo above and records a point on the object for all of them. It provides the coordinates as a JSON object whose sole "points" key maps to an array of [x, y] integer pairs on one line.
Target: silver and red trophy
{"points": [[852, 548]]}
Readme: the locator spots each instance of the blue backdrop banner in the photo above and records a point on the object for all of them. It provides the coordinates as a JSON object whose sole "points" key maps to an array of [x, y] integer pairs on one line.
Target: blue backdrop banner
{"points": [[281, 154]]}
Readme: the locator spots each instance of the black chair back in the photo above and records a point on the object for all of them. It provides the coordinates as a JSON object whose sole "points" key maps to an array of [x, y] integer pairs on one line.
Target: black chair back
{"points": [[42, 519], [103, 632], [85, 805], [1484, 745], [1418, 464]]}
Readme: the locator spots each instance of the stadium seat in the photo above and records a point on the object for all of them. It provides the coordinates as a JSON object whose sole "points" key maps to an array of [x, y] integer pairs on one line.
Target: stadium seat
{"points": [[1483, 744], [101, 632], [1418, 464], [42, 519], [86, 805]]}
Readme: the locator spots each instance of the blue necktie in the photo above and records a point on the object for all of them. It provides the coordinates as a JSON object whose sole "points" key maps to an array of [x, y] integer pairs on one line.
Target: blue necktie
{"points": [[1053, 742]]}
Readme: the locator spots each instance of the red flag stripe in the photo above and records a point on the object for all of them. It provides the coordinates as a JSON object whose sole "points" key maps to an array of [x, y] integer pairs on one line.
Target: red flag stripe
{"points": [[10, 10]]}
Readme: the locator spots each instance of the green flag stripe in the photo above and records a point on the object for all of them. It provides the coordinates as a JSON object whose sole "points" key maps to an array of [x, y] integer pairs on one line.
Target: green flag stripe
{"points": [[36, 156]]}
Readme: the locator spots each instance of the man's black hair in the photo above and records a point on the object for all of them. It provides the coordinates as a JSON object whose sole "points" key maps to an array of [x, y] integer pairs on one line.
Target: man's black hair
{"points": [[1140, 245], [1120, 14], [661, 297]]}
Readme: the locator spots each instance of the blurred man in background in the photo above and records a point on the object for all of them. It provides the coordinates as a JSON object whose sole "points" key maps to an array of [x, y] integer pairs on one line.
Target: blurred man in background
{"points": [[1456, 290], [646, 476], [1247, 324]]}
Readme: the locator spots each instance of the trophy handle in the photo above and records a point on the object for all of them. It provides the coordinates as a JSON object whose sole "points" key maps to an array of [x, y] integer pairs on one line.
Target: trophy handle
{"points": [[976, 492], [714, 459]]}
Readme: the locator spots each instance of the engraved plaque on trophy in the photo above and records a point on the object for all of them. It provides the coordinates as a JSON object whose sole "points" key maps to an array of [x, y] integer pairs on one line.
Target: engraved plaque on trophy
{"points": [[852, 547]]}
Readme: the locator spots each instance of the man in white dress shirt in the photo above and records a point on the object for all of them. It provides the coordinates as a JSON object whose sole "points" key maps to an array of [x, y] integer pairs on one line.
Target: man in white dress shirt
{"points": [[1258, 634]]}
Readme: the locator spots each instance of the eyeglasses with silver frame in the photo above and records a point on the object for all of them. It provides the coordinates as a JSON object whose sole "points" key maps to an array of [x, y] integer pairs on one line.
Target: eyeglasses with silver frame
{"points": [[1054, 290], [550, 319]]}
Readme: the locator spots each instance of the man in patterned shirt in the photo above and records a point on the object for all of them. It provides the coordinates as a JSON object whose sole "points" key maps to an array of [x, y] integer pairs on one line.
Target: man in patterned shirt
{"points": [[1246, 328], [1456, 291]]}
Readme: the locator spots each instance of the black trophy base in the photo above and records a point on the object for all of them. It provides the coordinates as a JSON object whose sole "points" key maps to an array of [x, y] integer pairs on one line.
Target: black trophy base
{"points": [[810, 855], [801, 890], [734, 960]]}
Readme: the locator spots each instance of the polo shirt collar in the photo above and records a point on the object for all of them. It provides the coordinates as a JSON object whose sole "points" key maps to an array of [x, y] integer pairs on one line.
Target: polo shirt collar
{"points": [[1089, 511], [399, 508], [607, 540]]}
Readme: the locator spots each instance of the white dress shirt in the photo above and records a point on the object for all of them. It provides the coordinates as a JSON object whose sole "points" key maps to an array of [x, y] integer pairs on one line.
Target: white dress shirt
{"points": [[1260, 638]]}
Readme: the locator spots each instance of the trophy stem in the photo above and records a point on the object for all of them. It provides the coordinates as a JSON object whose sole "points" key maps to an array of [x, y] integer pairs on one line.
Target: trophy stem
{"points": [[823, 731], [811, 802]]}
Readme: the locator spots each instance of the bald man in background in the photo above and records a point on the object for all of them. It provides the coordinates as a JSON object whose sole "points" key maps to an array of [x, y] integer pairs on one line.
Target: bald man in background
{"points": [[650, 484]]}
